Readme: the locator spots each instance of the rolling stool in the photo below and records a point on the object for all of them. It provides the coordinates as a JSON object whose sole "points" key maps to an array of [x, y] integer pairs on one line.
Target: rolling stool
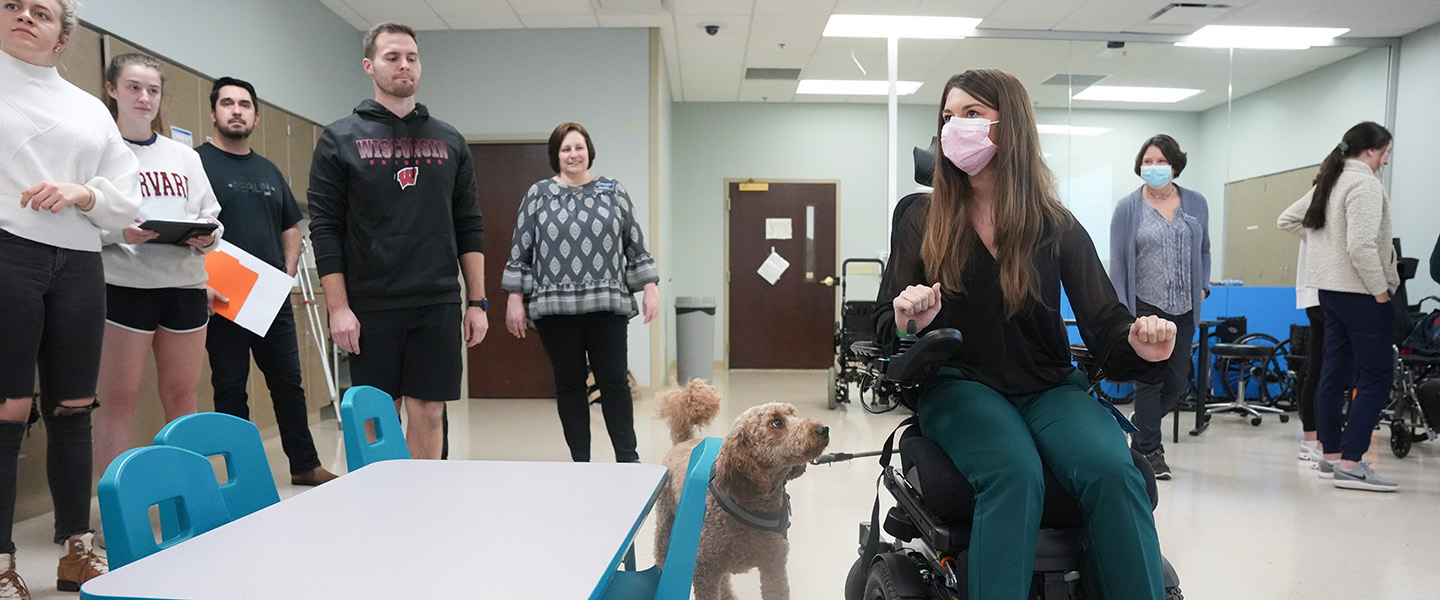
{"points": [[1253, 360]]}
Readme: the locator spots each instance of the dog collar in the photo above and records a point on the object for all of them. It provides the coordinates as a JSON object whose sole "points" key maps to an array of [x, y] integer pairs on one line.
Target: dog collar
{"points": [[778, 521]]}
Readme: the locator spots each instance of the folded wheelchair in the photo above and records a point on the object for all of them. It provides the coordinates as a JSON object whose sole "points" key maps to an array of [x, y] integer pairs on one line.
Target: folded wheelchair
{"points": [[926, 555]]}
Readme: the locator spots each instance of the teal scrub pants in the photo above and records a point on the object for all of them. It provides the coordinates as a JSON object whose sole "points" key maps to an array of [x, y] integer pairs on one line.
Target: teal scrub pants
{"points": [[1000, 443]]}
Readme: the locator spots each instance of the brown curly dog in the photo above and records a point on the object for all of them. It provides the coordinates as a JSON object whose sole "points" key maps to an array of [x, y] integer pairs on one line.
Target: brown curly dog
{"points": [[747, 511]]}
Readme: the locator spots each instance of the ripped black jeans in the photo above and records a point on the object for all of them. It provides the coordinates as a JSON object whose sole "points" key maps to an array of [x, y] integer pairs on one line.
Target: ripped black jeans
{"points": [[52, 318]]}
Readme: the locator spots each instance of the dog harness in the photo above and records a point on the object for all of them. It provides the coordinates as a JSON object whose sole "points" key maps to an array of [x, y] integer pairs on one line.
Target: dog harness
{"points": [[778, 521]]}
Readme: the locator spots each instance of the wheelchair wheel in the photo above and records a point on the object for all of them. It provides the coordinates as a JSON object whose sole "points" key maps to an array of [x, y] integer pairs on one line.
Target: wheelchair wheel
{"points": [[882, 585], [832, 391], [1400, 439]]}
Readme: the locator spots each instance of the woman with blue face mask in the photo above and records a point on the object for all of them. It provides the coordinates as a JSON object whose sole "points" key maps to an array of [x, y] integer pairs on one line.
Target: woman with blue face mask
{"points": [[1160, 265]]}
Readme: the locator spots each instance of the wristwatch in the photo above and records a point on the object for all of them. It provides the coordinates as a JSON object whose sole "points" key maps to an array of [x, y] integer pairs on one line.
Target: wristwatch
{"points": [[482, 304]]}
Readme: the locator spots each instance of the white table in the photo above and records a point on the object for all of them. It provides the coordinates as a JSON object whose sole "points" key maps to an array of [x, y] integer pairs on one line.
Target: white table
{"points": [[414, 529]]}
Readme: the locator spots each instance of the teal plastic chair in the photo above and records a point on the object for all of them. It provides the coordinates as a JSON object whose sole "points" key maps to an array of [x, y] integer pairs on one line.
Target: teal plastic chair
{"points": [[144, 477], [249, 486], [674, 581], [363, 404]]}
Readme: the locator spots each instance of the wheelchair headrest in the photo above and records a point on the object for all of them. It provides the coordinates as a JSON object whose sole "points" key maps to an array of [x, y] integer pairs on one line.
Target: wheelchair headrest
{"points": [[925, 162]]}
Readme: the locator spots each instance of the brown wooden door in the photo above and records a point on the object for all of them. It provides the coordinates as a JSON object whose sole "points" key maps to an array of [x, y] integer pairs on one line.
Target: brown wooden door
{"points": [[789, 325], [502, 366]]}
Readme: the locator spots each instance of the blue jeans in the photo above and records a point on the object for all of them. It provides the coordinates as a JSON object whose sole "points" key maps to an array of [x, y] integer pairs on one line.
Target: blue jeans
{"points": [[1358, 350]]}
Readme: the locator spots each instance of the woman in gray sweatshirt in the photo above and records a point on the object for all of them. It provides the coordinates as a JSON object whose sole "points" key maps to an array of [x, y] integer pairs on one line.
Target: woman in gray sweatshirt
{"points": [[1345, 220]]}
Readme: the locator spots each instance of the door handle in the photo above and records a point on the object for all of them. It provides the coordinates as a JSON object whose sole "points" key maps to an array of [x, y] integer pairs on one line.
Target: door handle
{"points": [[828, 281]]}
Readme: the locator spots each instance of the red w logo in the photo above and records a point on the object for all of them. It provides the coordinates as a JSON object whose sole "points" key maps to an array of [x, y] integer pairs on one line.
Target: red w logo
{"points": [[407, 176]]}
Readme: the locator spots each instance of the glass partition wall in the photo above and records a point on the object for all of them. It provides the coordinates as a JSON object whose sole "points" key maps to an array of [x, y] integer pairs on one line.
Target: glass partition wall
{"points": [[1255, 128]]}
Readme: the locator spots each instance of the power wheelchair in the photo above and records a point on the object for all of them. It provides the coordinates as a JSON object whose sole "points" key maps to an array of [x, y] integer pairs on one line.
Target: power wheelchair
{"points": [[927, 556]]}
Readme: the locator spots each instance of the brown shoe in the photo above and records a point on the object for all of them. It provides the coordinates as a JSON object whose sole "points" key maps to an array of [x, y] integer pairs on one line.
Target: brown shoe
{"points": [[12, 587], [315, 476], [80, 564]]}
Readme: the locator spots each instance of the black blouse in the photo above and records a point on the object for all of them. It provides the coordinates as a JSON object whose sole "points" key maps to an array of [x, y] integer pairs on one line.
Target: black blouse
{"points": [[1029, 353]]}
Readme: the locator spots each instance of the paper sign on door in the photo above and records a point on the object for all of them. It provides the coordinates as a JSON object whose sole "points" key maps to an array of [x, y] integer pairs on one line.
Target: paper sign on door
{"points": [[773, 267], [255, 289]]}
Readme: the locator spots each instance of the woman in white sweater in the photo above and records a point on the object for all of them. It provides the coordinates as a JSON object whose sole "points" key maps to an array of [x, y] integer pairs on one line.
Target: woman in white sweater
{"points": [[155, 292], [1345, 220], [66, 176]]}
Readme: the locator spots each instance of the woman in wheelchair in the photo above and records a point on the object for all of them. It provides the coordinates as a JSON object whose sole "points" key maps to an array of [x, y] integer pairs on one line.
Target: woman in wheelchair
{"points": [[987, 254]]}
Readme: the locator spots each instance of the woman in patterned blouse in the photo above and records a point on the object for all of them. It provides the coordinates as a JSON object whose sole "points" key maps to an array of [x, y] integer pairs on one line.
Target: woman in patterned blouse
{"points": [[576, 260]]}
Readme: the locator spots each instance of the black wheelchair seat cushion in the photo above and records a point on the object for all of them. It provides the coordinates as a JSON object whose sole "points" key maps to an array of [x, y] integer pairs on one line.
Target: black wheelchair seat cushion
{"points": [[1261, 351], [948, 494]]}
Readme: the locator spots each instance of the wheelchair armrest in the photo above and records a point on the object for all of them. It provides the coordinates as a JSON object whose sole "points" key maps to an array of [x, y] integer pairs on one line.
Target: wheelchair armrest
{"points": [[920, 361], [867, 349]]}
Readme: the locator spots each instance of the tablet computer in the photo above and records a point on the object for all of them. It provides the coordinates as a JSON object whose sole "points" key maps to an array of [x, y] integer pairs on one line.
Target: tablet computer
{"points": [[176, 232]]}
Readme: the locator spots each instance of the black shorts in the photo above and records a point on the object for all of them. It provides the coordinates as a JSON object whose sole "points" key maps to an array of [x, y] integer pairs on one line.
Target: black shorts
{"points": [[179, 310], [412, 352]]}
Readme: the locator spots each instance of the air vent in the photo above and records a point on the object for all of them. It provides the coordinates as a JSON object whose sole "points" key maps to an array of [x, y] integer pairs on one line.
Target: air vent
{"points": [[777, 74], [1067, 79], [1189, 13]]}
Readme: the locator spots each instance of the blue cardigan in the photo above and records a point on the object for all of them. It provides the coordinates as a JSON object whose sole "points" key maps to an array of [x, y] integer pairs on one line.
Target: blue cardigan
{"points": [[1125, 224]]}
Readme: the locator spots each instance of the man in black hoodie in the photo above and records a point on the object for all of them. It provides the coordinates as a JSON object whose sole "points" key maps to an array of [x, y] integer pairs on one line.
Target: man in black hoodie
{"points": [[393, 209]]}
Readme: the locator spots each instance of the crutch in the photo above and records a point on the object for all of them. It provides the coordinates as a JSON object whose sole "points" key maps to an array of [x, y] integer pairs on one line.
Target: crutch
{"points": [[312, 310]]}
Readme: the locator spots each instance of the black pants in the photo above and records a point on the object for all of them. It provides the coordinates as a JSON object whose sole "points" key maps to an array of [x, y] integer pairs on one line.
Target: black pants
{"points": [[52, 318], [569, 339], [1358, 349], [278, 356], [1314, 362], [1153, 400]]}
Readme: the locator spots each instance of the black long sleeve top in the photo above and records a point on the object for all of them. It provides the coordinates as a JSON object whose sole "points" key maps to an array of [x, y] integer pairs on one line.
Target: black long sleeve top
{"points": [[1028, 353]]}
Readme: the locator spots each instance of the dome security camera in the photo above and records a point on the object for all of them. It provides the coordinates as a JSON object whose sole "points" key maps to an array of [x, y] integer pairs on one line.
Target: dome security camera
{"points": [[711, 28]]}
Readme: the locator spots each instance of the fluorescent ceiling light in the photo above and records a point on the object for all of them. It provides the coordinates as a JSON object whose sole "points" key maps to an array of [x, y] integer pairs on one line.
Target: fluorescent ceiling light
{"points": [[896, 26], [1047, 129], [855, 87], [1120, 93], [1265, 38]]}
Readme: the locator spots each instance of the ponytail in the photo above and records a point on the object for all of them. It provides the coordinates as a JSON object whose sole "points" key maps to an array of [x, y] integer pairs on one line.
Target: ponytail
{"points": [[1364, 136]]}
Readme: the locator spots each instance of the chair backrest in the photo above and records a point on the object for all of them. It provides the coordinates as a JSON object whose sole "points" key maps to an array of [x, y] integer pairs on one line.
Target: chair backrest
{"points": [[679, 571], [144, 477], [249, 486], [363, 404]]}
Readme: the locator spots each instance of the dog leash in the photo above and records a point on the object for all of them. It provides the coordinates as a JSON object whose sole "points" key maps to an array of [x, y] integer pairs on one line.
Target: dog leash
{"points": [[778, 522]]}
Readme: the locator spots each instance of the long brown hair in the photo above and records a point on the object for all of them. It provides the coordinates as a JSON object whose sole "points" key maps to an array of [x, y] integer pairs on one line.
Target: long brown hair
{"points": [[1364, 136], [1027, 206]]}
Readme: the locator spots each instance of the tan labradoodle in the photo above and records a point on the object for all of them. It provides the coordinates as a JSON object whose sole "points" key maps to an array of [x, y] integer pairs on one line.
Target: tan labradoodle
{"points": [[747, 511]]}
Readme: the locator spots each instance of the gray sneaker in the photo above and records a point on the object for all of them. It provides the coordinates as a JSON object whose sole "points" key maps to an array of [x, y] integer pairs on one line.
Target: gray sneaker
{"points": [[1362, 477], [1325, 469]]}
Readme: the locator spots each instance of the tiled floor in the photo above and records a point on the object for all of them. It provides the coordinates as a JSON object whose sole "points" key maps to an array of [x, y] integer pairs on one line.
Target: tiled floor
{"points": [[1241, 519]]}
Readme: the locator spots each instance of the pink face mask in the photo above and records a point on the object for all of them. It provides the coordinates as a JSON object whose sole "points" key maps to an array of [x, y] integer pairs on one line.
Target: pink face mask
{"points": [[966, 142]]}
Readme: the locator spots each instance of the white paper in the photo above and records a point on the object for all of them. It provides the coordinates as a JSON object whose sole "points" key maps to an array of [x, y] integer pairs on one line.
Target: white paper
{"points": [[183, 136], [773, 267], [271, 291], [778, 229]]}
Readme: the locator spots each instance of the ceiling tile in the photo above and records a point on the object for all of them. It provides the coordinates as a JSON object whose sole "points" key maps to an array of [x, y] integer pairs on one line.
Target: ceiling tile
{"points": [[951, 8], [340, 8], [485, 22], [709, 7], [876, 7], [820, 8], [767, 91], [635, 21], [559, 21], [552, 7], [402, 10], [471, 8]]}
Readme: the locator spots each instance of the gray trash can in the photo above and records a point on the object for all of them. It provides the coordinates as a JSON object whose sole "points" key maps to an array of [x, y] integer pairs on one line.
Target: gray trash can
{"points": [[695, 338]]}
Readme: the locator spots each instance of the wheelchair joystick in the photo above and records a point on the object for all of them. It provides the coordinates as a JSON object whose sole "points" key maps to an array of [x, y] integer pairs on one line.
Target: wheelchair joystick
{"points": [[908, 341]]}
